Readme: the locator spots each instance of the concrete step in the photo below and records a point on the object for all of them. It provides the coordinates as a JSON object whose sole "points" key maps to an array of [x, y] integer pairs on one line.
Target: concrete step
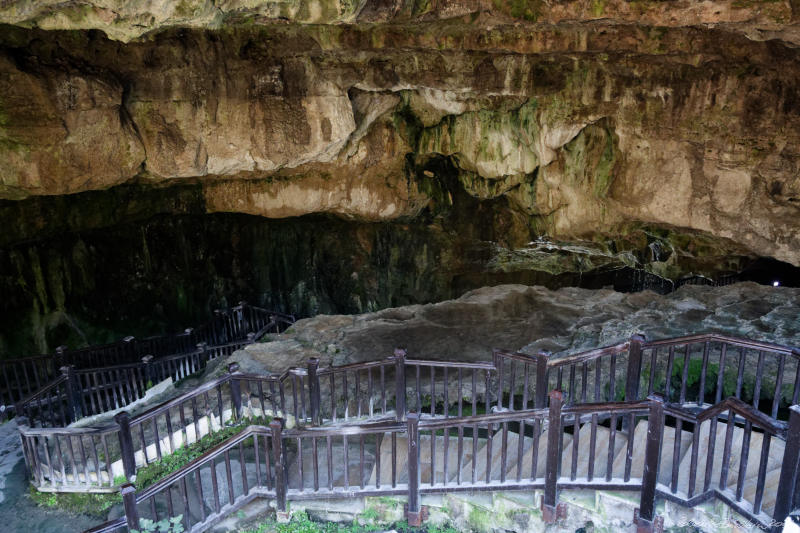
{"points": [[486, 457], [754, 457], [356, 472], [540, 452], [495, 459], [438, 464], [385, 451], [602, 443], [667, 452], [401, 447]]}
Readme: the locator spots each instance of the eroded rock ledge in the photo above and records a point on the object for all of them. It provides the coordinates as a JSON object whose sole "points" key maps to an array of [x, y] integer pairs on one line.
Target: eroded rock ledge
{"points": [[528, 319], [580, 116]]}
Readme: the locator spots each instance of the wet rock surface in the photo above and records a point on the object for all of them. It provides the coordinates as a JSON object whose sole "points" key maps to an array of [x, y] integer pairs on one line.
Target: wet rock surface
{"points": [[18, 513], [529, 319], [578, 119]]}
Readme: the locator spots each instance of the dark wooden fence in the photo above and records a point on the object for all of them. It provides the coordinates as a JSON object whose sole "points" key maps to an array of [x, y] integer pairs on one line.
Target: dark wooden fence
{"points": [[253, 465], [520, 408], [19, 378]]}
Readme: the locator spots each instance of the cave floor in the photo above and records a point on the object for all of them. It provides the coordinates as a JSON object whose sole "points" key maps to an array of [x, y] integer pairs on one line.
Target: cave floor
{"points": [[18, 512]]}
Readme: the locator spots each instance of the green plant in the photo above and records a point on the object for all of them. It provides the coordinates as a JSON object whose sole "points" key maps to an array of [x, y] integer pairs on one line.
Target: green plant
{"points": [[301, 523], [168, 525], [388, 501], [157, 470], [96, 505], [479, 519], [371, 514], [445, 528]]}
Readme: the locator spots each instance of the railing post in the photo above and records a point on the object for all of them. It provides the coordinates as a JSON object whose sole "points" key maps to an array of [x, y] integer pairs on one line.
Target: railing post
{"points": [[787, 495], [73, 394], [634, 368], [551, 511], [189, 332], [202, 349], [216, 334], [130, 347], [126, 444], [413, 511], [498, 366], [400, 384], [59, 359], [243, 322], [313, 389], [281, 487], [149, 378], [645, 516], [540, 398], [251, 338], [128, 492], [633, 374], [236, 390]]}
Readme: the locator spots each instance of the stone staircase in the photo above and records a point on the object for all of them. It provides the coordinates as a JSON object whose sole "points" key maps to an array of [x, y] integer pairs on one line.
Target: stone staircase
{"points": [[514, 457]]}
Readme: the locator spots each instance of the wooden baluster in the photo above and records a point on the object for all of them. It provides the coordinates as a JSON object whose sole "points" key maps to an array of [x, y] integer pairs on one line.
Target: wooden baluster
{"points": [[236, 390], [788, 494], [123, 419], [645, 516], [400, 384], [128, 492], [413, 512], [281, 487], [313, 389], [549, 500]]}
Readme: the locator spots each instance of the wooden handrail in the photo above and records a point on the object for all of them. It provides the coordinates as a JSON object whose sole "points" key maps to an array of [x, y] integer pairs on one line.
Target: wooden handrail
{"points": [[607, 407], [588, 355], [554, 452], [162, 407], [488, 418], [539, 363], [736, 341], [346, 429], [450, 364], [34, 395]]}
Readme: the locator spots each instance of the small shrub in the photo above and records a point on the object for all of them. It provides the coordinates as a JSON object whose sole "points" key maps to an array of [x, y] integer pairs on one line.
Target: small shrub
{"points": [[168, 525], [159, 469]]}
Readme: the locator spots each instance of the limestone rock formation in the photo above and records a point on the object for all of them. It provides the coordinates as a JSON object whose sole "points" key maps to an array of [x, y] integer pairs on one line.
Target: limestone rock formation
{"points": [[528, 319], [584, 117]]}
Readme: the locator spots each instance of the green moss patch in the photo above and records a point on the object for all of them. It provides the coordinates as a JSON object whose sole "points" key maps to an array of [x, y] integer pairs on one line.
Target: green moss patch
{"points": [[96, 505], [158, 470], [301, 523]]}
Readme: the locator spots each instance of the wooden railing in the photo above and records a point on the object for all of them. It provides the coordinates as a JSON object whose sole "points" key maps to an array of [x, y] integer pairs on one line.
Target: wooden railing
{"points": [[19, 378], [251, 465], [63, 458], [517, 406]]}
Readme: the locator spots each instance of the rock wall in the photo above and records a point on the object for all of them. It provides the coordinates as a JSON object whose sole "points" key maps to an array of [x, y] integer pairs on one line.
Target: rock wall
{"points": [[584, 117], [136, 260]]}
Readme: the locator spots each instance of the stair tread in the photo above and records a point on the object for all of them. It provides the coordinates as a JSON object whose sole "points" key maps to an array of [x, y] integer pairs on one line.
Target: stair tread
{"points": [[754, 458], [619, 452], [602, 442], [667, 450]]}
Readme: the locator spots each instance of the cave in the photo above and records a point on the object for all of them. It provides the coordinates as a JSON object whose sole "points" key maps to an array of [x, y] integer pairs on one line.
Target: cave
{"points": [[594, 204]]}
